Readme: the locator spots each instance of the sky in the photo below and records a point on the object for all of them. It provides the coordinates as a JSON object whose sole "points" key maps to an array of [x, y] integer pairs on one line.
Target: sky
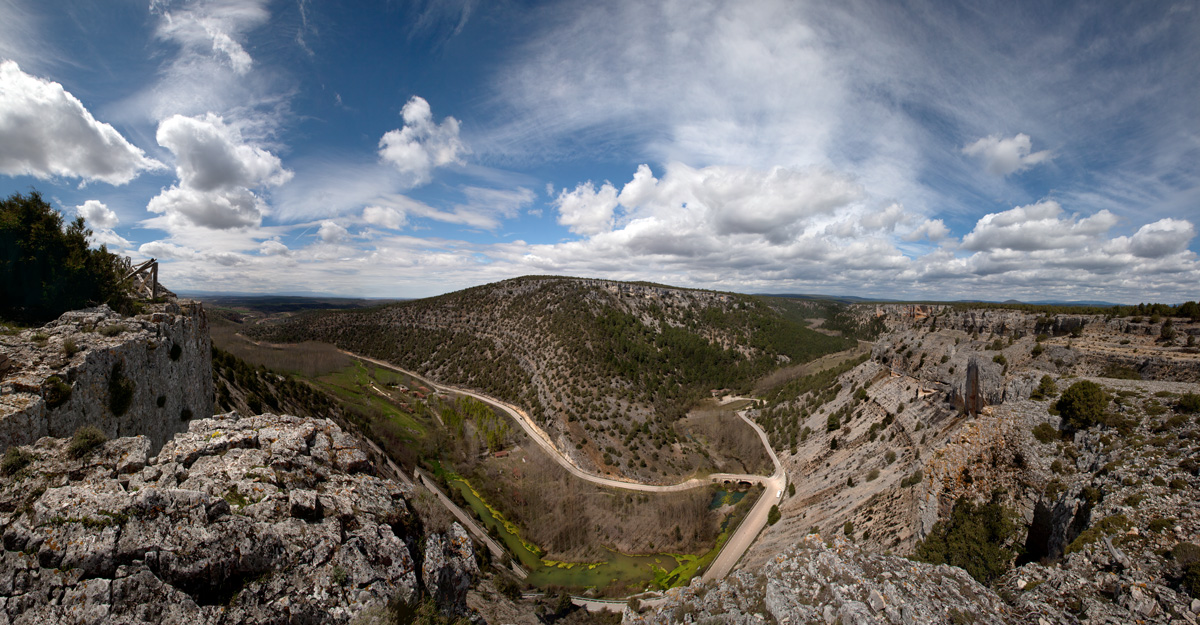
{"points": [[907, 150]]}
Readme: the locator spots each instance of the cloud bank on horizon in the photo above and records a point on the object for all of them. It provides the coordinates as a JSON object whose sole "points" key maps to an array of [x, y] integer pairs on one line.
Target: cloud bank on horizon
{"points": [[904, 150]]}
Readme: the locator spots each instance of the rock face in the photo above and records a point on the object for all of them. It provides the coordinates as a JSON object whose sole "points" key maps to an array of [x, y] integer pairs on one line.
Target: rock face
{"points": [[820, 582], [64, 375], [266, 519]]}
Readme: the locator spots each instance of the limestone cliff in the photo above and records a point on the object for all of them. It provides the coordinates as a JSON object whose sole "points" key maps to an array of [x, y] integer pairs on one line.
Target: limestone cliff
{"points": [[145, 375]]}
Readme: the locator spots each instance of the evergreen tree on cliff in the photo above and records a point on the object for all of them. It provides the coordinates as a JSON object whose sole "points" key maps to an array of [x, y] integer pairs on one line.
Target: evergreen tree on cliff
{"points": [[47, 269]]}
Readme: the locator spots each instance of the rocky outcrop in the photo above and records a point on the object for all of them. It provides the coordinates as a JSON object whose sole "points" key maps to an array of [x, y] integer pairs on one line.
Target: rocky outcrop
{"points": [[829, 580], [982, 384], [145, 375], [267, 519]]}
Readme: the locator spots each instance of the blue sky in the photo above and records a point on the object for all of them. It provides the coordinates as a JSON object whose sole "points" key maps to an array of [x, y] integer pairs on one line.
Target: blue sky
{"points": [[892, 149]]}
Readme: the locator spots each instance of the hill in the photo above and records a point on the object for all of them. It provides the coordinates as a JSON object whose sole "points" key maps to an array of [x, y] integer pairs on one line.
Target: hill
{"points": [[607, 367]]}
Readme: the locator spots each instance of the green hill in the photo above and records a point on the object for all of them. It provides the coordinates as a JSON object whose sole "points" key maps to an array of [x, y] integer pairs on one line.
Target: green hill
{"points": [[609, 366]]}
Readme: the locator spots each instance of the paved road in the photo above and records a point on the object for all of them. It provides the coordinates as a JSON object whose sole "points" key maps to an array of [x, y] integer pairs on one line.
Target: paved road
{"points": [[540, 436], [737, 544], [741, 539]]}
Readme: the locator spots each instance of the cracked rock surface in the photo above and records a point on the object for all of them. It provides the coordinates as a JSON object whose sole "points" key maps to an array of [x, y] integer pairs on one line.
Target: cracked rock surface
{"points": [[265, 519]]}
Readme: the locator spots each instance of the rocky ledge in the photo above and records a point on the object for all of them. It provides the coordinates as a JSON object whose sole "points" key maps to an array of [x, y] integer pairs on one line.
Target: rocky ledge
{"points": [[831, 581], [266, 519]]}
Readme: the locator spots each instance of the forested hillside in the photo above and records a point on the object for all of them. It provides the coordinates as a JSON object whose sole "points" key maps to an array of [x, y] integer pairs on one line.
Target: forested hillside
{"points": [[609, 365]]}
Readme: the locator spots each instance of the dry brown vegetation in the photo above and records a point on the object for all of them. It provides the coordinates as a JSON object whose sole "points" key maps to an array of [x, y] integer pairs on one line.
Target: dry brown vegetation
{"points": [[577, 521], [730, 444]]}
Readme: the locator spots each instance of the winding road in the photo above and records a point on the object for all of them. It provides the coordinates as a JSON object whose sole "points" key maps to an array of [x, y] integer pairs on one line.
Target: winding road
{"points": [[738, 542]]}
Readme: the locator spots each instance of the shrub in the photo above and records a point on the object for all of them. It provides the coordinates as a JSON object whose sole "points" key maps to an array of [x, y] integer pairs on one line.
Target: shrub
{"points": [[1056, 466], [872, 475], [70, 347], [1037, 350], [1082, 405], [773, 515], [120, 390], [912, 480], [508, 586], [338, 575], [1045, 433], [1000, 360], [889, 457], [1186, 554], [86, 439], [1191, 579], [848, 529], [1046, 389], [112, 329], [176, 351], [1178, 484], [185, 414], [975, 538], [1188, 402], [832, 423], [1114, 524], [56, 392], [14, 460], [1161, 525]]}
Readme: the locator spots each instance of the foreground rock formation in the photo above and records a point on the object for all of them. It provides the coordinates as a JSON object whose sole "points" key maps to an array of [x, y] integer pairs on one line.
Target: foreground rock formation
{"points": [[65, 374], [266, 519], [827, 582]]}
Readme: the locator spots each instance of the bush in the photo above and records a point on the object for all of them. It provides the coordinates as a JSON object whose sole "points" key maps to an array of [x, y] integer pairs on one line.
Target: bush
{"points": [[1161, 525], [185, 415], [47, 269], [56, 392], [773, 515], [832, 423], [14, 460], [86, 439], [1189, 403], [70, 347], [912, 480], [176, 351], [1082, 405], [120, 390], [1045, 433], [1046, 389], [112, 329], [889, 457], [975, 538], [848, 529], [872, 475], [1186, 554], [508, 586]]}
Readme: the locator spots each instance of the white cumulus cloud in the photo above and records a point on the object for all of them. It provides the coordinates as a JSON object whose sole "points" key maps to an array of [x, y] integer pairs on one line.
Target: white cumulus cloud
{"points": [[587, 210], [1003, 156], [217, 171], [421, 145], [45, 131], [331, 232], [1037, 227], [1162, 238], [384, 216], [96, 214]]}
